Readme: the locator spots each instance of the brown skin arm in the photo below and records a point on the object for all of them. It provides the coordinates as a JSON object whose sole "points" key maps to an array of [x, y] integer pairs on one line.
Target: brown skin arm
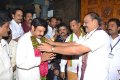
{"points": [[49, 41], [67, 50], [63, 43]]}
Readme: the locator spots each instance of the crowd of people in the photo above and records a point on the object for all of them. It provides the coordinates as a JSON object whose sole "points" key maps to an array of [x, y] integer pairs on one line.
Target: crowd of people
{"points": [[39, 49]]}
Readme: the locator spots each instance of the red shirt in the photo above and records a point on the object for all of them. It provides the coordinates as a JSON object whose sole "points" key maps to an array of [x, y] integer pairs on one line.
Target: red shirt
{"points": [[25, 27]]}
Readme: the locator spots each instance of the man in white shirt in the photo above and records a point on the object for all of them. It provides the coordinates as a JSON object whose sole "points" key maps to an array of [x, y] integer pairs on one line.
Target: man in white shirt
{"points": [[26, 61], [51, 33], [51, 28], [6, 72], [113, 28], [95, 44], [73, 62], [15, 24], [17, 32]]}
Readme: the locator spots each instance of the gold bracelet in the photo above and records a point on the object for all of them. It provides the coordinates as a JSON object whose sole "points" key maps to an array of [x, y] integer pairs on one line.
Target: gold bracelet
{"points": [[53, 48]]}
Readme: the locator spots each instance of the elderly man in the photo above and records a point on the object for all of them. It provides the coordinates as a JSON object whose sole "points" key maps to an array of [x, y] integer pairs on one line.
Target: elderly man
{"points": [[94, 46]]}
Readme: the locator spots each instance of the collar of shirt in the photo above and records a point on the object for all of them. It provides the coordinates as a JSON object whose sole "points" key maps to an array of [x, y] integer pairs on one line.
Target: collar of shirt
{"points": [[30, 34], [61, 39], [14, 22], [77, 37], [53, 29], [113, 41], [2, 43], [88, 35]]}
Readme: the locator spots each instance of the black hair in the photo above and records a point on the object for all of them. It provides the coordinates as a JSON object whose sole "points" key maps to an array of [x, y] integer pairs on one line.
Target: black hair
{"points": [[117, 21], [95, 16], [40, 22], [61, 25], [27, 11], [77, 20], [3, 18], [15, 10], [52, 18], [59, 19]]}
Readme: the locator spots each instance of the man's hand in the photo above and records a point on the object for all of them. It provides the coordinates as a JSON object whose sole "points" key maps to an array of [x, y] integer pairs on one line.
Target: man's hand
{"points": [[49, 41], [45, 47], [62, 75], [56, 72], [47, 56]]}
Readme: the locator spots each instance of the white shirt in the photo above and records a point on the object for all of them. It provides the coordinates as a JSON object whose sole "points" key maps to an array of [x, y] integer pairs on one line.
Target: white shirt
{"points": [[16, 29], [13, 47], [50, 35], [97, 63], [25, 59], [50, 32], [75, 62], [6, 72], [115, 60]]}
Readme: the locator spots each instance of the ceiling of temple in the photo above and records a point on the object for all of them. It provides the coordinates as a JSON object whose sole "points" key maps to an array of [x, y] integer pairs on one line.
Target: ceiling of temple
{"points": [[15, 1]]}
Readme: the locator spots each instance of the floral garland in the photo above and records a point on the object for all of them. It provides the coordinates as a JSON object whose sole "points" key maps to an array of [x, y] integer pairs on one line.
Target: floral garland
{"points": [[43, 67], [69, 58]]}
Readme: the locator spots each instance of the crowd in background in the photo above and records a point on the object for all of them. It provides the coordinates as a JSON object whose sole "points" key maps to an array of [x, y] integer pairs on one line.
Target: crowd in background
{"points": [[17, 60]]}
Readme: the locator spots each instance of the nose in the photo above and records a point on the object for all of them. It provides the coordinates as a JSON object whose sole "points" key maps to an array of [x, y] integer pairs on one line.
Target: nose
{"points": [[71, 27], [42, 33], [109, 27], [84, 24], [8, 29], [21, 17]]}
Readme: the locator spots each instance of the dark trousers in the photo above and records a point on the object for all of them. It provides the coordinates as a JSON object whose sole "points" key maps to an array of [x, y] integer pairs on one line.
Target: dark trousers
{"points": [[50, 75]]}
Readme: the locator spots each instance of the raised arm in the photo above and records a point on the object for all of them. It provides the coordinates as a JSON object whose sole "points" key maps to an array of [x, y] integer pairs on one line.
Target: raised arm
{"points": [[66, 50]]}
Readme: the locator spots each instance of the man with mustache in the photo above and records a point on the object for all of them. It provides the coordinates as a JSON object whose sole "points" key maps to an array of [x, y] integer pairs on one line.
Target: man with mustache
{"points": [[17, 32], [51, 28], [62, 30], [26, 24], [26, 61], [15, 24], [94, 47], [72, 61], [113, 28]]}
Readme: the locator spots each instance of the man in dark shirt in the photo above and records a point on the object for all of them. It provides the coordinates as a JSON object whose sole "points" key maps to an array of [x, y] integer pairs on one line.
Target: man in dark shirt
{"points": [[62, 35], [26, 25]]}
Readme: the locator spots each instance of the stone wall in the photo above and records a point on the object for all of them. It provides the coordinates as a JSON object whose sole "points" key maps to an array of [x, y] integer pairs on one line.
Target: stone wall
{"points": [[67, 9]]}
